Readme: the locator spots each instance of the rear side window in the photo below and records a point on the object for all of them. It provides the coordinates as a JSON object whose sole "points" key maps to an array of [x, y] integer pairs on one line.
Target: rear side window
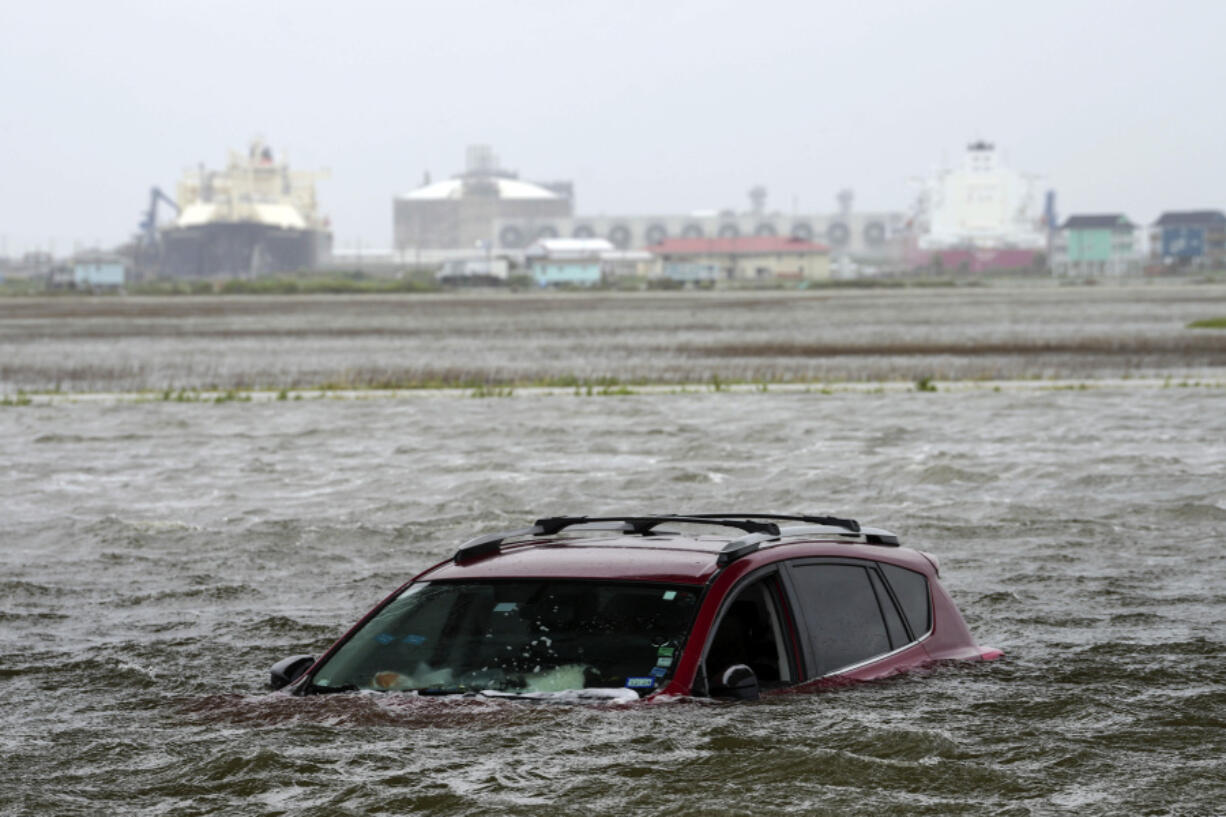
{"points": [[893, 621], [911, 589], [841, 614]]}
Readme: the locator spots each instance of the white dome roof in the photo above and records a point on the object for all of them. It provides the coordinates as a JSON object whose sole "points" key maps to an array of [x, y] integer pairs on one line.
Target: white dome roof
{"points": [[507, 189]]}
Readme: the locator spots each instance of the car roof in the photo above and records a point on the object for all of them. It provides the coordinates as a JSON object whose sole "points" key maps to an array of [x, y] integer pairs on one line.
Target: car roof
{"points": [[667, 558], [672, 559]]}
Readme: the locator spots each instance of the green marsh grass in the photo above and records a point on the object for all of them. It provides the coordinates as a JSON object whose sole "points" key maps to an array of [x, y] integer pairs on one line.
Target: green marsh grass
{"points": [[1209, 323]]}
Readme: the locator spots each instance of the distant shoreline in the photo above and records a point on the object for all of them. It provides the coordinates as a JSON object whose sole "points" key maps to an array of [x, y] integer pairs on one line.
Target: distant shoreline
{"points": [[425, 285]]}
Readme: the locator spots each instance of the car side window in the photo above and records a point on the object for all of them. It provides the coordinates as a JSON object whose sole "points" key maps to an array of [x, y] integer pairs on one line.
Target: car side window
{"points": [[752, 631], [911, 589], [842, 616], [893, 621]]}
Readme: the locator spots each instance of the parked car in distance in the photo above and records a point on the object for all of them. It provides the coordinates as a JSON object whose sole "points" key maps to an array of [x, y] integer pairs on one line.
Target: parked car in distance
{"points": [[623, 608]]}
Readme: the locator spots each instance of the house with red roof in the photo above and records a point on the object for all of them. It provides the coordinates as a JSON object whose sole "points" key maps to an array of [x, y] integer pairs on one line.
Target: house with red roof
{"points": [[757, 258]]}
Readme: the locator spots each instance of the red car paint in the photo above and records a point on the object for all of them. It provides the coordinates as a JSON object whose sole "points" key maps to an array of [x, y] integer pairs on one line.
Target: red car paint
{"points": [[693, 560]]}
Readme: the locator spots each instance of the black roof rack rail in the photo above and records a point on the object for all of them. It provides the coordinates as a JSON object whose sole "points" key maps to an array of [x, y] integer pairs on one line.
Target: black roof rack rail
{"points": [[838, 522], [643, 524], [489, 543], [866, 535], [744, 546], [492, 542], [876, 536]]}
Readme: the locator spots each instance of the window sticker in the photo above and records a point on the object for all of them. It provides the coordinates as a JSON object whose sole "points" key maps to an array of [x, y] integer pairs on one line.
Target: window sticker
{"points": [[658, 672], [505, 606], [385, 638], [666, 650], [414, 640], [646, 682], [669, 595], [664, 661]]}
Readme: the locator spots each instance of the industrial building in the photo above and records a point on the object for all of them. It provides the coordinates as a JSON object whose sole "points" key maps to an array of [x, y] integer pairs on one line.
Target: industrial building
{"points": [[254, 217], [872, 236], [1189, 239], [744, 258], [467, 209], [487, 203], [1095, 245]]}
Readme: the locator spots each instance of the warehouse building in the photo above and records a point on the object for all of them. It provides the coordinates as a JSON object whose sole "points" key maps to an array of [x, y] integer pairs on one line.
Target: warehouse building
{"points": [[870, 235], [461, 212], [746, 258]]}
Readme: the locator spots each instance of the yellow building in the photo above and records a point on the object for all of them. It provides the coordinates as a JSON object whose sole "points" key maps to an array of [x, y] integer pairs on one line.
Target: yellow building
{"points": [[746, 258]]}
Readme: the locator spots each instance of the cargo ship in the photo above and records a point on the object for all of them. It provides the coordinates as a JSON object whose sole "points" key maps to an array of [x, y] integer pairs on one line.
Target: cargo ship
{"points": [[256, 217]]}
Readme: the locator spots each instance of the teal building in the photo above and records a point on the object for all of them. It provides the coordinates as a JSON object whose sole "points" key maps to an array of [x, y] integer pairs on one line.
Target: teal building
{"points": [[1095, 246], [98, 271], [568, 261], [572, 272]]}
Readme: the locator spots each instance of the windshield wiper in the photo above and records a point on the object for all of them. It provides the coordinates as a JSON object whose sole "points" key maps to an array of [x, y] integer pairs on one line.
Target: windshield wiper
{"points": [[587, 694], [457, 690], [316, 689]]}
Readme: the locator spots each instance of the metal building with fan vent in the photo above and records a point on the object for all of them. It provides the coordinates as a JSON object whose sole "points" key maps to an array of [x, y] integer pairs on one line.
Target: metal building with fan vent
{"points": [[485, 203]]}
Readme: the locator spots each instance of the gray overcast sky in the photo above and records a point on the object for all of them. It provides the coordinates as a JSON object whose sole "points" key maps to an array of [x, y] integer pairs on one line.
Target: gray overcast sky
{"points": [[646, 106]]}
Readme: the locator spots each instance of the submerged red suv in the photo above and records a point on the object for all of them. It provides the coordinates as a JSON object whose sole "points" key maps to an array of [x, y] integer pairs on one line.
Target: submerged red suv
{"points": [[723, 605]]}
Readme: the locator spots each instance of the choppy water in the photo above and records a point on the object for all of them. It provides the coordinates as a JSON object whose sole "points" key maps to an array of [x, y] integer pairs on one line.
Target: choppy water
{"points": [[156, 558]]}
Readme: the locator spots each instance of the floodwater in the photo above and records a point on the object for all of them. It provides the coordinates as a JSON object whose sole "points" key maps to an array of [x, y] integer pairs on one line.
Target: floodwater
{"points": [[157, 557]]}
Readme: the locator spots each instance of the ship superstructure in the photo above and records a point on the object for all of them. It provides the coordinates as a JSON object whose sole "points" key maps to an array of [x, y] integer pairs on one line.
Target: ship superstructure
{"points": [[255, 217], [981, 204]]}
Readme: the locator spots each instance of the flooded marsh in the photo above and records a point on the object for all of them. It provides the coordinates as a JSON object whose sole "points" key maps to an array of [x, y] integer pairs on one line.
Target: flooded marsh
{"points": [[521, 339]]}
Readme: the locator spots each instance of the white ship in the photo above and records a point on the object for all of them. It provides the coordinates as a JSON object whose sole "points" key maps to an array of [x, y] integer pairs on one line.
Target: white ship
{"points": [[255, 217], [982, 204]]}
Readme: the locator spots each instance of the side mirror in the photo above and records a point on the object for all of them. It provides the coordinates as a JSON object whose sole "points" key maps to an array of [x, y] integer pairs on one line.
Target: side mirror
{"points": [[740, 682], [288, 670]]}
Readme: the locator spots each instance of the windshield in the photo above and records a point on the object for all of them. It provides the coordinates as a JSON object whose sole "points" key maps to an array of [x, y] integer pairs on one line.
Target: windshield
{"points": [[537, 636]]}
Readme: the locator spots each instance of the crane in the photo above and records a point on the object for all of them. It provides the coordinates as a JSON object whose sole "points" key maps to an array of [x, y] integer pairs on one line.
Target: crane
{"points": [[145, 245], [149, 224]]}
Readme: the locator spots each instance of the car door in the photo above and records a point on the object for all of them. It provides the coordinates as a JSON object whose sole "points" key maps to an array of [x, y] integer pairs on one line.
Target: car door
{"points": [[755, 627], [847, 614]]}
